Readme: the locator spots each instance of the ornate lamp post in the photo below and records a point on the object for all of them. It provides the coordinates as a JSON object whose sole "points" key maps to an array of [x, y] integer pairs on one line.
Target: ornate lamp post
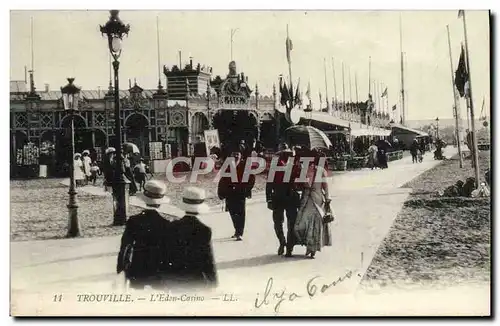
{"points": [[71, 95], [115, 29]]}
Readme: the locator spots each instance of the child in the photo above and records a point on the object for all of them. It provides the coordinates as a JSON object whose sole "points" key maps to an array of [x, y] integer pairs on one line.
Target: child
{"points": [[420, 156], [94, 171], [140, 173]]}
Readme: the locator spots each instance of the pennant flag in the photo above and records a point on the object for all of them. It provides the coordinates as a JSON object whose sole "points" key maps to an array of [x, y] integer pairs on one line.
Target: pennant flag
{"points": [[284, 93], [308, 92], [298, 97], [460, 13], [320, 99], [289, 48], [461, 74], [401, 120], [394, 107], [384, 93]]}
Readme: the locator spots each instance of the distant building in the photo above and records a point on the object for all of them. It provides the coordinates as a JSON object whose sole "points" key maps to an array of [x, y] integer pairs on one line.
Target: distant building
{"points": [[164, 123]]}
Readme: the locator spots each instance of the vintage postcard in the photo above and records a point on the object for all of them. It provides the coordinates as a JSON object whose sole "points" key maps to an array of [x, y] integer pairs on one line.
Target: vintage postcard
{"points": [[250, 163]]}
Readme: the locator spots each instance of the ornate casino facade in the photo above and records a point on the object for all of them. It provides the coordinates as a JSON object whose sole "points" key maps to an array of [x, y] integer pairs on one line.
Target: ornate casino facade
{"points": [[163, 122]]}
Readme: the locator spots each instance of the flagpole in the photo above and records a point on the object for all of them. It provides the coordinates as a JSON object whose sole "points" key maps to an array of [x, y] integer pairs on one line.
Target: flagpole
{"points": [[456, 107], [467, 108], [402, 71], [357, 99], [369, 75], [381, 92], [471, 101], [343, 88], [326, 87], [334, 82], [289, 62], [233, 32], [158, 48]]}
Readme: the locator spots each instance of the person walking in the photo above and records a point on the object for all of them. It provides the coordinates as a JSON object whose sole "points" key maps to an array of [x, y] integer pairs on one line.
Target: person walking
{"points": [[168, 252], [94, 171], [281, 197], [108, 167], [235, 195], [414, 147], [87, 162], [310, 228], [127, 170], [140, 173], [78, 172], [372, 155]]}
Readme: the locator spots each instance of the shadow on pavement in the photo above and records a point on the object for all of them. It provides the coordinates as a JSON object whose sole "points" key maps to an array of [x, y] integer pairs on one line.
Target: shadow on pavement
{"points": [[257, 261]]}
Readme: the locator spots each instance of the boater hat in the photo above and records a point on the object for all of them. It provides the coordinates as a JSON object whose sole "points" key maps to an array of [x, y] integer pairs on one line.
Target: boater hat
{"points": [[110, 150], [193, 201], [154, 193]]}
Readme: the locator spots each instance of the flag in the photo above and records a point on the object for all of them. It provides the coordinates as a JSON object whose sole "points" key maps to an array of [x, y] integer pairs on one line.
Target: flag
{"points": [[298, 97], [284, 92], [461, 74], [308, 92], [289, 48], [460, 13], [401, 120], [384, 93], [394, 107], [320, 99]]}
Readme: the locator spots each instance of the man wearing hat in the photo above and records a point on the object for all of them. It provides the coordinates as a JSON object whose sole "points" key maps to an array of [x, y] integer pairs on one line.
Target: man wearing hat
{"points": [[168, 252], [235, 194]]}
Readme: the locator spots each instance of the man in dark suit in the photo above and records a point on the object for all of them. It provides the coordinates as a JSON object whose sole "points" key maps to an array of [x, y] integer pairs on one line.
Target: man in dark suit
{"points": [[281, 197], [235, 194], [168, 252]]}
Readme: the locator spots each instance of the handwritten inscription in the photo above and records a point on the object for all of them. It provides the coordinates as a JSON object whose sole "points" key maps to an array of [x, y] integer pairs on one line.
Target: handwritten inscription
{"points": [[278, 297]]}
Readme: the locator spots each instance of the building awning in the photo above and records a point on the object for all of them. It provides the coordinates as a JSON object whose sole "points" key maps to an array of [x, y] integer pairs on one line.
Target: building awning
{"points": [[326, 118], [365, 130], [414, 131]]}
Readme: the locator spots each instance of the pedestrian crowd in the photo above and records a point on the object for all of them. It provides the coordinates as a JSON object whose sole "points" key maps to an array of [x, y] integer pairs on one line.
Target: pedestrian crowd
{"points": [[162, 251]]}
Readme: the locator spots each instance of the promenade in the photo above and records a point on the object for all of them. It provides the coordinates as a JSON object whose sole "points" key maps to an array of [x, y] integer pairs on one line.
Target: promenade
{"points": [[365, 202]]}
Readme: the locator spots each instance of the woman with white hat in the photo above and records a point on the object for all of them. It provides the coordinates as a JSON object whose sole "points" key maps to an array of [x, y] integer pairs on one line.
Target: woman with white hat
{"points": [[168, 252]]}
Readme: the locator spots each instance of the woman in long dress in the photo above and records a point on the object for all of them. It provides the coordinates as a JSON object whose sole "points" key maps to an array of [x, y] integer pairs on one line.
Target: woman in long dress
{"points": [[78, 172], [372, 156], [309, 227], [87, 162]]}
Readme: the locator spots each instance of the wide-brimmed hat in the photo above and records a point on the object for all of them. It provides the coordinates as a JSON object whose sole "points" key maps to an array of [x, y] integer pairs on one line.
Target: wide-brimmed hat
{"points": [[109, 150], [193, 201], [86, 152], [77, 155], [154, 193]]}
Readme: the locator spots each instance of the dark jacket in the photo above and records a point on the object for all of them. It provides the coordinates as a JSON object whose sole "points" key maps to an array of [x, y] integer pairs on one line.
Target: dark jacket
{"points": [[283, 193], [174, 254], [227, 189]]}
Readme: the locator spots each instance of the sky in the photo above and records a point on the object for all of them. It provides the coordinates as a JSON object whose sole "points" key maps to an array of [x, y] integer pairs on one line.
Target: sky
{"points": [[69, 44]]}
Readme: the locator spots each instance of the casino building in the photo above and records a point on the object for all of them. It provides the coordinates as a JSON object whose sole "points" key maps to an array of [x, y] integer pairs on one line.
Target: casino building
{"points": [[163, 123], [167, 122]]}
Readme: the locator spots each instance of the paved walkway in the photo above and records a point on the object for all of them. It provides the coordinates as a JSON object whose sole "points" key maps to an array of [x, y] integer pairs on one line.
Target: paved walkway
{"points": [[365, 202]]}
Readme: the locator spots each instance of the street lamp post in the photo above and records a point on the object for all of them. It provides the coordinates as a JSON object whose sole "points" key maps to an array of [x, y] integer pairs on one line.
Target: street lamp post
{"points": [[115, 29], [437, 127], [70, 95]]}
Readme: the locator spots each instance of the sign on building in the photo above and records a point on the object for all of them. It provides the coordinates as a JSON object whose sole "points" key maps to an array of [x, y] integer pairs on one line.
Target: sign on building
{"points": [[211, 140], [156, 150]]}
